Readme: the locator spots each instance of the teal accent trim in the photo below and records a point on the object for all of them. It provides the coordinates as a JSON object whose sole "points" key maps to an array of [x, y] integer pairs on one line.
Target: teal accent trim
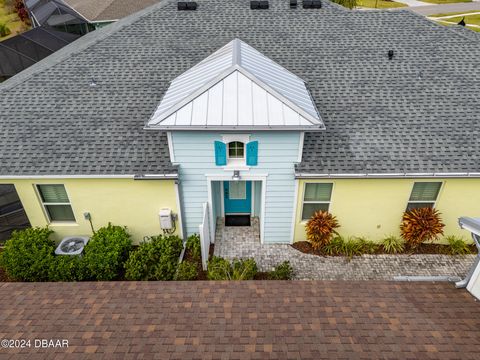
{"points": [[252, 153], [238, 206], [220, 153]]}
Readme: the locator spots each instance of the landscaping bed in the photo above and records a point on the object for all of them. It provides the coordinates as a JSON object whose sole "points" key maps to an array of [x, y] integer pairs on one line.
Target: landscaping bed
{"points": [[11, 20], [432, 249]]}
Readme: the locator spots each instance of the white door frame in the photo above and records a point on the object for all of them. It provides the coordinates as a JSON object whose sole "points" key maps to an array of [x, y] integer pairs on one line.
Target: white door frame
{"points": [[246, 177]]}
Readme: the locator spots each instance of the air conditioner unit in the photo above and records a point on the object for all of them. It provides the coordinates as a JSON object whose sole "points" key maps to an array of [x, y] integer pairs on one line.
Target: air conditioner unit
{"points": [[72, 245]]}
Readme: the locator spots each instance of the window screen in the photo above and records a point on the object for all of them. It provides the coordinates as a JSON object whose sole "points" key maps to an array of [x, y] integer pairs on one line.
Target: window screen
{"points": [[56, 203], [424, 194], [316, 197]]}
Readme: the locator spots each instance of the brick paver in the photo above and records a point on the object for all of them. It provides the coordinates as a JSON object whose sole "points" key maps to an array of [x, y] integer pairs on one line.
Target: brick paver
{"points": [[244, 242], [242, 320]]}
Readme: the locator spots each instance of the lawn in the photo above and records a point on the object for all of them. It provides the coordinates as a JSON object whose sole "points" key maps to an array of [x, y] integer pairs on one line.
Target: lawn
{"points": [[380, 4], [445, 1], [447, 19], [9, 17]]}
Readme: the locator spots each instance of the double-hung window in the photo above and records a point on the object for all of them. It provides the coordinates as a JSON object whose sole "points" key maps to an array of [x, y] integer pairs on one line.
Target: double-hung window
{"points": [[56, 203], [316, 197], [424, 194]]}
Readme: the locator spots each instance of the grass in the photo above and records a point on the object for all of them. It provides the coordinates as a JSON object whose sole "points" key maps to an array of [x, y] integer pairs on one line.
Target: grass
{"points": [[11, 19], [469, 19], [380, 4], [445, 1]]}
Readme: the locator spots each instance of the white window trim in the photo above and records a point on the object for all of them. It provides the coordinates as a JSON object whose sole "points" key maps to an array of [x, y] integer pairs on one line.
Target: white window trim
{"points": [[302, 220], [44, 206], [425, 202], [236, 163]]}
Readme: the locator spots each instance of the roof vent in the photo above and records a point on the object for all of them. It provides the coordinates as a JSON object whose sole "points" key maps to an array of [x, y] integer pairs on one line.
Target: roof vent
{"points": [[312, 4], [390, 54], [186, 5], [293, 4], [258, 5], [462, 22]]}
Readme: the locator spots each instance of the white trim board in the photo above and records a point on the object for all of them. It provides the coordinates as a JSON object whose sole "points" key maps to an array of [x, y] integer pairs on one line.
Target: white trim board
{"points": [[136, 177], [221, 177]]}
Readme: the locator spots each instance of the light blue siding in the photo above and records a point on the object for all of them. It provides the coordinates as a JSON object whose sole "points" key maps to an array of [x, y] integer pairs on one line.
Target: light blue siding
{"points": [[257, 201], [277, 154]]}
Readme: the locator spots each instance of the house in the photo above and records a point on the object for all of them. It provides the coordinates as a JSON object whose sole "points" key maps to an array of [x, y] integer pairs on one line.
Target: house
{"points": [[81, 16], [231, 112]]}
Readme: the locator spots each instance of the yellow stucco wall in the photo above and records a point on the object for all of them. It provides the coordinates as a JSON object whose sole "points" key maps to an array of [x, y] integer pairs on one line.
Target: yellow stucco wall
{"points": [[126, 202], [373, 208]]}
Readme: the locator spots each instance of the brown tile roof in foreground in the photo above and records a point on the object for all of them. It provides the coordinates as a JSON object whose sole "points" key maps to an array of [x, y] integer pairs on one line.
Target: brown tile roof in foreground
{"points": [[242, 320], [104, 10]]}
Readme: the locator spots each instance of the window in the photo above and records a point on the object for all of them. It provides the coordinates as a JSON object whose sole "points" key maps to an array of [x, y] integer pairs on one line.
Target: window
{"points": [[236, 150], [55, 202], [424, 194], [315, 198], [237, 190]]}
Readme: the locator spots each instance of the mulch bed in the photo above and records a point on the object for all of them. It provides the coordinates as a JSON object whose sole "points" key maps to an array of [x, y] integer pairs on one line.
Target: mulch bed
{"points": [[433, 249]]}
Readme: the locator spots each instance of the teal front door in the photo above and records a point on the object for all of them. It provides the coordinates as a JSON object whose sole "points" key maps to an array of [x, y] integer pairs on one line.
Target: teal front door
{"points": [[237, 197]]}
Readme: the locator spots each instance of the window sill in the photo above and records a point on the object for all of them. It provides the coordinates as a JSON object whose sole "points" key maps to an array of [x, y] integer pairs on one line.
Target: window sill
{"points": [[63, 223], [232, 167]]}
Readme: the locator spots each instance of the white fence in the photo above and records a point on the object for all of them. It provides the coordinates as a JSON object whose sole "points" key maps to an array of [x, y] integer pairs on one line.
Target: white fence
{"points": [[204, 230]]}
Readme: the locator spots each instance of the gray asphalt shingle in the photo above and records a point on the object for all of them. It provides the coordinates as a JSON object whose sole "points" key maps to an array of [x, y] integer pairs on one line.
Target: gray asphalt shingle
{"points": [[416, 113]]}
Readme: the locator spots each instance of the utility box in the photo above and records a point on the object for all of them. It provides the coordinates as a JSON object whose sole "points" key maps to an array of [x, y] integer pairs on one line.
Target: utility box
{"points": [[166, 219]]}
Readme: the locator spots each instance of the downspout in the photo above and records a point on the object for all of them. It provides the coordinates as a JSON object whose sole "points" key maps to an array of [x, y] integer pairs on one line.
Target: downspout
{"points": [[463, 283]]}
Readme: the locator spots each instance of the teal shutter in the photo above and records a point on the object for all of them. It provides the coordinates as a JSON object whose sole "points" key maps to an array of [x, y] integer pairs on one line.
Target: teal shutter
{"points": [[220, 153], [252, 153]]}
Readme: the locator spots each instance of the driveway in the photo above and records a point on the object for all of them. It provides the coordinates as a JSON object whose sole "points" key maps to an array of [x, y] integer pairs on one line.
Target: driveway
{"points": [[240, 320]]}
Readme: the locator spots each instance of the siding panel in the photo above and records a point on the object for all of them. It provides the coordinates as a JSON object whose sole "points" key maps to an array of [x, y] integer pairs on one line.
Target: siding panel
{"points": [[277, 155]]}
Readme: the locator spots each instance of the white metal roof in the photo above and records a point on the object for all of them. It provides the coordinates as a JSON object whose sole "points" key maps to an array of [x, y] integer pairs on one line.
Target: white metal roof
{"points": [[237, 87]]}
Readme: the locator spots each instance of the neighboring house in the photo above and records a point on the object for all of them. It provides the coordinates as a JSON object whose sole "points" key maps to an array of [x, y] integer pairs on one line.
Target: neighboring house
{"points": [[82, 16], [22, 51], [270, 113]]}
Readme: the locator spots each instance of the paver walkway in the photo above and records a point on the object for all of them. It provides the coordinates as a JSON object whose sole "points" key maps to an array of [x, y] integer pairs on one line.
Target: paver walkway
{"points": [[241, 320], [244, 242]]}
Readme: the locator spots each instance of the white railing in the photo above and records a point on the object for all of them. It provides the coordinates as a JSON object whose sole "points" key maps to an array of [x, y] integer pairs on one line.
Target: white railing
{"points": [[204, 230]]}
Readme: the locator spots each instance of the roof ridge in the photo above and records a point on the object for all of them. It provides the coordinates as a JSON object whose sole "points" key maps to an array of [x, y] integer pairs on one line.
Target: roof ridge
{"points": [[78, 46]]}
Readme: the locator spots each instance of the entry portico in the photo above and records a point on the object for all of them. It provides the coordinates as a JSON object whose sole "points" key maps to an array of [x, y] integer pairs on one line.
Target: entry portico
{"points": [[236, 122]]}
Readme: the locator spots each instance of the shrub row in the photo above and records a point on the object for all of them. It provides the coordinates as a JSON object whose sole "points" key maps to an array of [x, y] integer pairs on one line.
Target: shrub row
{"points": [[244, 269], [30, 256]]}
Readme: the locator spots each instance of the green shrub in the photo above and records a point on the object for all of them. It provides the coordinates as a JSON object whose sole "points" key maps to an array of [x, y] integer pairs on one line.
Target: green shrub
{"points": [[457, 245], [193, 244], [155, 259], [66, 268], [4, 30], [186, 271], [334, 247], [106, 252], [283, 271], [352, 246], [28, 254], [221, 269], [393, 245], [367, 246]]}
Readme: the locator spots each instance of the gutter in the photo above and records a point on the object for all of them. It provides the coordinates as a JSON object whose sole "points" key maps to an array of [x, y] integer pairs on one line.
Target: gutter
{"points": [[135, 177], [300, 175], [464, 224]]}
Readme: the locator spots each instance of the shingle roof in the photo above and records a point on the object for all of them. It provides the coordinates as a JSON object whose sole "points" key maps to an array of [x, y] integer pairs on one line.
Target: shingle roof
{"points": [[104, 10], [416, 113]]}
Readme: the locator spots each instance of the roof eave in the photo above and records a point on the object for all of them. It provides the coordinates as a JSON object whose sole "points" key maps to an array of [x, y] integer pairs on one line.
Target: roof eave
{"points": [[404, 175], [312, 128]]}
